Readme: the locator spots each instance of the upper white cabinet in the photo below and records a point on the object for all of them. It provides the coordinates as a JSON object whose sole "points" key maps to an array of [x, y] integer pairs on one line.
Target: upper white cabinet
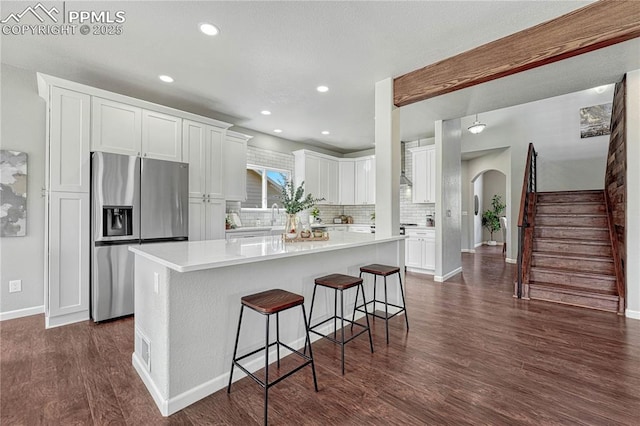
{"points": [[206, 219], [424, 174], [161, 136], [202, 148], [347, 185], [365, 172], [319, 173], [124, 129], [69, 122], [235, 166], [117, 128]]}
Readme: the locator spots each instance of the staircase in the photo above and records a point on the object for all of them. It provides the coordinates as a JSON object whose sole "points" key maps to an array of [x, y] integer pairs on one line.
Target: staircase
{"points": [[571, 260]]}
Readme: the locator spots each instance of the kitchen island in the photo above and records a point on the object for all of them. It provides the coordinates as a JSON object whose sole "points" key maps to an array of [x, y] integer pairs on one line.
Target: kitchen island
{"points": [[187, 302]]}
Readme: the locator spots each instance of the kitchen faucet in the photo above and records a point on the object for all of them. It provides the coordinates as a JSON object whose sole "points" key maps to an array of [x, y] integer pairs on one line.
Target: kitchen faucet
{"points": [[274, 208]]}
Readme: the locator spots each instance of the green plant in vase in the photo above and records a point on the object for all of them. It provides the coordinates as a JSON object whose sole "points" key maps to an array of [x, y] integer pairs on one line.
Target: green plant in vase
{"points": [[491, 218], [315, 213], [294, 201]]}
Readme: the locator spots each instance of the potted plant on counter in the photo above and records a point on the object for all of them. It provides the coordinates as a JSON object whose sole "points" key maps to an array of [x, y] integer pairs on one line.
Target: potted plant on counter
{"points": [[491, 218], [294, 201]]}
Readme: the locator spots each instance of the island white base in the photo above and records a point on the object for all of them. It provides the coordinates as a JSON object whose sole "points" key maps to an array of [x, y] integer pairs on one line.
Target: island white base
{"points": [[189, 319]]}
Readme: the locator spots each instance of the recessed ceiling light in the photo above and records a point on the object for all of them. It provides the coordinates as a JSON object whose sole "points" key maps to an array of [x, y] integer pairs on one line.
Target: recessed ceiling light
{"points": [[209, 29], [600, 89], [265, 112], [277, 130], [322, 89], [325, 132], [165, 78]]}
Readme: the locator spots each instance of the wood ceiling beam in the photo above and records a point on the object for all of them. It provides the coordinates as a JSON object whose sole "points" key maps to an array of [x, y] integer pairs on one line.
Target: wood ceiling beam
{"points": [[592, 27]]}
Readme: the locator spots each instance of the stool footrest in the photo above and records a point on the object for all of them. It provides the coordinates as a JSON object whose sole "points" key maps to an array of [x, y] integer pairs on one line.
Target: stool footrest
{"points": [[364, 329], [307, 359], [372, 313]]}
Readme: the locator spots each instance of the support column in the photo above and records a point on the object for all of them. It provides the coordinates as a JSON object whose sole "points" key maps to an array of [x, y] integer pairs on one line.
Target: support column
{"points": [[633, 196], [387, 141]]}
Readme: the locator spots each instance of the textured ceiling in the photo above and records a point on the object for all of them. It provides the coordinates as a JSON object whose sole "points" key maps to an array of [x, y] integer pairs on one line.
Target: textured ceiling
{"points": [[272, 55]]}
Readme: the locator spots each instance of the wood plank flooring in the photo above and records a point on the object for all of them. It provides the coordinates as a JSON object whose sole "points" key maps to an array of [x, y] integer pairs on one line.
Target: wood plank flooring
{"points": [[473, 355]]}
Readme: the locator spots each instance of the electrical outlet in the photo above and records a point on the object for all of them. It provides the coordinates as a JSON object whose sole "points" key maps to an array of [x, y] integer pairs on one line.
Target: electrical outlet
{"points": [[15, 286]]}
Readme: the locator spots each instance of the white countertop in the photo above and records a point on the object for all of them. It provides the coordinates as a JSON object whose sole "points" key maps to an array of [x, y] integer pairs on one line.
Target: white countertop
{"points": [[187, 256]]}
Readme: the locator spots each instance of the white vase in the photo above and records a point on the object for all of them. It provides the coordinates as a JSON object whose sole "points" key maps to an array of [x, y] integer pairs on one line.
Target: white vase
{"points": [[291, 226], [491, 243]]}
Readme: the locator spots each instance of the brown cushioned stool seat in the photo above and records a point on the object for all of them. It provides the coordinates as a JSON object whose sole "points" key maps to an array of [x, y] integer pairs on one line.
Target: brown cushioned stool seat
{"points": [[268, 303], [339, 282], [383, 271]]}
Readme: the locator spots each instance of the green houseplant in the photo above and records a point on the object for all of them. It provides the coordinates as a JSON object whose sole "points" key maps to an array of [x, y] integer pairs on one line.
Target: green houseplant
{"points": [[491, 218], [294, 201]]}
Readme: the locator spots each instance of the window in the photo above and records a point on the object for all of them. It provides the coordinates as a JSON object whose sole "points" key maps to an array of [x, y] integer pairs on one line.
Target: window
{"points": [[264, 187]]}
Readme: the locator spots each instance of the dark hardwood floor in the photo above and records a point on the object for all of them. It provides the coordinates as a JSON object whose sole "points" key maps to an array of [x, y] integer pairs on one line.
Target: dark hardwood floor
{"points": [[474, 355]]}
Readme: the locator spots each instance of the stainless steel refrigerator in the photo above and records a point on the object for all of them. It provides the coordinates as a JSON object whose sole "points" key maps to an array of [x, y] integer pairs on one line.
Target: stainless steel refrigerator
{"points": [[133, 201]]}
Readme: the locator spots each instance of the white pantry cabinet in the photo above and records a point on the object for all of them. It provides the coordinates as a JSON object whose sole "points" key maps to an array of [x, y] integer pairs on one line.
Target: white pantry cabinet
{"points": [[347, 181], [129, 130], [202, 148], [365, 190], [206, 218], [420, 250], [424, 174], [235, 166]]}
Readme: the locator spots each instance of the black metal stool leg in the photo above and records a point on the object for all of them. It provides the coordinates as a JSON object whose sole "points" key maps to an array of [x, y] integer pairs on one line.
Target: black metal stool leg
{"points": [[386, 309], [308, 341], [355, 306], [266, 371], [235, 349], [342, 326], [404, 304], [278, 337], [366, 315], [375, 284], [313, 299], [335, 309]]}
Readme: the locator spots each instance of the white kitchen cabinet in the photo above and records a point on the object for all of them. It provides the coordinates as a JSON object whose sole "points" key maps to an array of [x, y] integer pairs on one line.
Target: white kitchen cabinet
{"points": [[363, 229], [347, 182], [124, 129], [202, 148], [69, 135], [420, 250], [249, 233], [235, 166], [424, 174], [161, 136], [116, 127], [206, 218], [365, 173], [319, 173], [68, 260]]}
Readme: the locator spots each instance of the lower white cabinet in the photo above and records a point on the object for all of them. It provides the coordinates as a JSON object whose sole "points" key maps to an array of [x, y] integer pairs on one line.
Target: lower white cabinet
{"points": [[363, 229], [68, 260], [420, 250], [206, 218], [248, 234]]}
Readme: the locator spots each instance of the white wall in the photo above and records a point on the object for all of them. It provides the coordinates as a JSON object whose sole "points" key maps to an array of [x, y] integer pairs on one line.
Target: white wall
{"points": [[23, 129], [448, 199], [633, 195], [478, 185]]}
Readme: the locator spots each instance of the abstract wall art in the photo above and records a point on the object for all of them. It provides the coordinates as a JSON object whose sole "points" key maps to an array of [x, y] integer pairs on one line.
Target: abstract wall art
{"points": [[13, 193], [595, 121]]}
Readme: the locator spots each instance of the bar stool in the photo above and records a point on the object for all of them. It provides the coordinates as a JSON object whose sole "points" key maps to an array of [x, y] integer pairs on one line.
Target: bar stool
{"points": [[383, 271], [339, 282], [268, 303]]}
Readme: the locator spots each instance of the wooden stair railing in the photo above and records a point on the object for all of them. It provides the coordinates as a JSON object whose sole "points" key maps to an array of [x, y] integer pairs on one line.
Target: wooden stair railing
{"points": [[525, 223]]}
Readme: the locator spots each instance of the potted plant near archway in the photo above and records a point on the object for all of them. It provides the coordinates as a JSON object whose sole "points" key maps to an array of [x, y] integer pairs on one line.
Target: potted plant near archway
{"points": [[491, 218]]}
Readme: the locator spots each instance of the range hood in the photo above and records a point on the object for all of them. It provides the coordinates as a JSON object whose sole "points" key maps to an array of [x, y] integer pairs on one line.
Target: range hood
{"points": [[404, 180]]}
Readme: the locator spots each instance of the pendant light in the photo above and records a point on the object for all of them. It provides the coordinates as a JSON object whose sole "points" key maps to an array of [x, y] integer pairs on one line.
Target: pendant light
{"points": [[477, 126]]}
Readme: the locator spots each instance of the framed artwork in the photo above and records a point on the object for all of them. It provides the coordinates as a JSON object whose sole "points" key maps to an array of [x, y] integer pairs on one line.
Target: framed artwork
{"points": [[13, 193], [595, 120]]}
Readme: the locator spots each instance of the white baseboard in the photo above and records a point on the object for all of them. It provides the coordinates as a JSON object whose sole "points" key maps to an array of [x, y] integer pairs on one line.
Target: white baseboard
{"points": [[57, 321], [420, 271], [509, 260], [632, 314], [172, 405], [20, 313], [465, 251], [479, 244], [441, 279]]}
